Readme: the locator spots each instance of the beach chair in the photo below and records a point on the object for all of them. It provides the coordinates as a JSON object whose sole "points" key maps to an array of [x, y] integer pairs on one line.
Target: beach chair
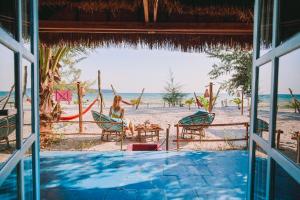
{"points": [[194, 124], [109, 126], [7, 126]]}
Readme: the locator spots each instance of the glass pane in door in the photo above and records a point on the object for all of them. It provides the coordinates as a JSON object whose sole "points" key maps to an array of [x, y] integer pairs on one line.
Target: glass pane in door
{"points": [[8, 189], [288, 106], [263, 101], [285, 187], [8, 109], [8, 16], [28, 181], [27, 103], [260, 173], [289, 20], [266, 26], [26, 24]]}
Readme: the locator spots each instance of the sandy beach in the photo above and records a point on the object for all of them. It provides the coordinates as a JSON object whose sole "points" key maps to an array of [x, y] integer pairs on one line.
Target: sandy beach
{"points": [[164, 116], [90, 139]]}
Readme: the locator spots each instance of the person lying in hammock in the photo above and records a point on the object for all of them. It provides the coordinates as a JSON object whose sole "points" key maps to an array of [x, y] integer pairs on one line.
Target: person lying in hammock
{"points": [[116, 112]]}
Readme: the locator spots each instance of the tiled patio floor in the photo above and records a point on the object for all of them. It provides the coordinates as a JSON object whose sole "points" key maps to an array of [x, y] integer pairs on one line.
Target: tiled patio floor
{"points": [[144, 175]]}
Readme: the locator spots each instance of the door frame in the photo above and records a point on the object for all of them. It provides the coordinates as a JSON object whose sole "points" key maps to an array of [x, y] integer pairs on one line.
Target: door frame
{"points": [[278, 50], [22, 146]]}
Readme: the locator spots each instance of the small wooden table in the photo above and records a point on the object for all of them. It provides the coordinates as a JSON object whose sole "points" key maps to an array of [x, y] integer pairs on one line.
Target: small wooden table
{"points": [[147, 128]]}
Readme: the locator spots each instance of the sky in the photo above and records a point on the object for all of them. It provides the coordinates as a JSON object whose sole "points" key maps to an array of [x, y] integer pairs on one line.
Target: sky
{"points": [[130, 70]]}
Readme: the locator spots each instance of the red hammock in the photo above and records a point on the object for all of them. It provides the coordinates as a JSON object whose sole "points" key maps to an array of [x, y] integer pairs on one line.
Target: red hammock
{"points": [[70, 117], [199, 104]]}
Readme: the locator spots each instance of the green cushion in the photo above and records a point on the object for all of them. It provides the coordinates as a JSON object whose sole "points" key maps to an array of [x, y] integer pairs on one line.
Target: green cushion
{"points": [[199, 117]]}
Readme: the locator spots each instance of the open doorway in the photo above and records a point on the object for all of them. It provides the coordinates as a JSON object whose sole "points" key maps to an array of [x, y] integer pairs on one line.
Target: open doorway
{"points": [[159, 89]]}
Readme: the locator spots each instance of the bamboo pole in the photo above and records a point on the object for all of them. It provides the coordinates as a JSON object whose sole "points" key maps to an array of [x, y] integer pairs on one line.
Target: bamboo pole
{"points": [[139, 99], [155, 10], [242, 109], [100, 92], [113, 89], [167, 138], [247, 135], [297, 107], [196, 99], [25, 81], [79, 94], [177, 137], [210, 97], [146, 10], [215, 98], [212, 125], [8, 96], [246, 124]]}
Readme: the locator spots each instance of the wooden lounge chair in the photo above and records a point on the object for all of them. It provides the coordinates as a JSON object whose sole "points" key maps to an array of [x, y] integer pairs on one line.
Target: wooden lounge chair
{"points": [[109, 126], [7, 126], [201, 118]]}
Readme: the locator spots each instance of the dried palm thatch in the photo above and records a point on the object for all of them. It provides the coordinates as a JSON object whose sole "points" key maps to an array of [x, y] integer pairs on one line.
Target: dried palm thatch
{"points": [[237, 10], [185, 43], [127, 11], [95, 5]]}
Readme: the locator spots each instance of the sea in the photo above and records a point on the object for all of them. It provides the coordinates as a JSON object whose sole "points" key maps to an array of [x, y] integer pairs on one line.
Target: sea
{"points": [[155, 99]]}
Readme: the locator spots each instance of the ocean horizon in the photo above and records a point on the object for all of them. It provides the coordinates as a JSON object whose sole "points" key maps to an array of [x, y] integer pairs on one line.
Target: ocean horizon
{"points": [[156, 97]]}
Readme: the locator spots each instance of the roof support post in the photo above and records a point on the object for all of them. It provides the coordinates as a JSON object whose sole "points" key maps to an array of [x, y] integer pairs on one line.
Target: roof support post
{"points": [[146, 10], [155, 8]]}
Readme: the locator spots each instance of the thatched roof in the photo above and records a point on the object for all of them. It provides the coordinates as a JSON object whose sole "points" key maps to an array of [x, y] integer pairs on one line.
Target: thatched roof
{"points": [[168, 10], [126, 23], [186, 43]]}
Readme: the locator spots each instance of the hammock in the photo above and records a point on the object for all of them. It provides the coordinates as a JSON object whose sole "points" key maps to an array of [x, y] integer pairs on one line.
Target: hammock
{"points": [[70, 117], [199, 104]]}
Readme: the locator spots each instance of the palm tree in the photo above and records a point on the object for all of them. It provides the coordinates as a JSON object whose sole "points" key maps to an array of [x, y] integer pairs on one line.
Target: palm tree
{"points": [[189, 102], [49, 58], [237, 101]]}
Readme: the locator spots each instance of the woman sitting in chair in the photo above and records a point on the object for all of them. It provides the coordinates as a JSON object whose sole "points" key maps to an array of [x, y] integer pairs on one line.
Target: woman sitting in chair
{"points": [[116, 112]]}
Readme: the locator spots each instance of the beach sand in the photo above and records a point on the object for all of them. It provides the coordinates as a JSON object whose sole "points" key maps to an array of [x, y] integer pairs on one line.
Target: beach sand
{"points": [[164, 116]]}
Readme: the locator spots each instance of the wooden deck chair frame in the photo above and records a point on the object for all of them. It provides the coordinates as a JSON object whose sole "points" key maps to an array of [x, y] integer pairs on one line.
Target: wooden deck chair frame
{"points": [[195, 130]]}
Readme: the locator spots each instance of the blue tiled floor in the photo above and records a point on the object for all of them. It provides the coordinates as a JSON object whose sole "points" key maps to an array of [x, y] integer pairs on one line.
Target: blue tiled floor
{"points": [[144, 175]]}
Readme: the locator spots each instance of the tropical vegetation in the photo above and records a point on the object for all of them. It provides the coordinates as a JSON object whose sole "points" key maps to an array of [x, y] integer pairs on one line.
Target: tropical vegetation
{"points": [[173, 95], [204, 102], [189, 102], [237, 101], [235, 62]]}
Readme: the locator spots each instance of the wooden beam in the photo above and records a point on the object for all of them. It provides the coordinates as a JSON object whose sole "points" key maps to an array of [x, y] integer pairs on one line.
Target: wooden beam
{"points": [[149, 28], [155, 8], [79, 94], [210, 97], [146, 10]]}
